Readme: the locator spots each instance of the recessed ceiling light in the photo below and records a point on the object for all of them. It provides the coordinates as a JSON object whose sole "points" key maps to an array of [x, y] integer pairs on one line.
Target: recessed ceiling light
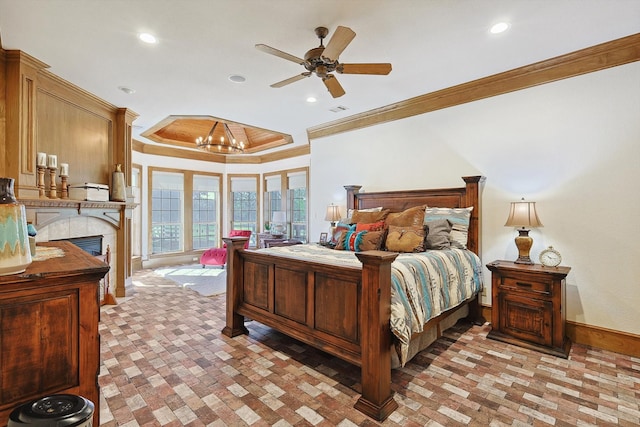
{"points": [[499, 28], [311, 99], [237, 78], [148, 38], [127, 90]]}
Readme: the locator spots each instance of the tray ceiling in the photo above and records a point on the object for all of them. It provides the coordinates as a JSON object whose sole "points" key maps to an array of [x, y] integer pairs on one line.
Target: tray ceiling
{"points": [[182, 131]]}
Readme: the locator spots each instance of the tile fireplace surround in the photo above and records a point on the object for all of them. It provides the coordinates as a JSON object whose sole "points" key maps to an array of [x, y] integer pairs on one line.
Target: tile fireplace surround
{"points": [[67, 219]]}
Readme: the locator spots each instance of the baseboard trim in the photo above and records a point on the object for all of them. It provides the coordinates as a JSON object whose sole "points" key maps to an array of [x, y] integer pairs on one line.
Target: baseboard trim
{"points": [[595, 336], [603, 338]]}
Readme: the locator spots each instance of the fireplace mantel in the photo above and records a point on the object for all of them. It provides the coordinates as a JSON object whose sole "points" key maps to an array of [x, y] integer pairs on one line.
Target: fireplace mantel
{"points": [[43, 212]]}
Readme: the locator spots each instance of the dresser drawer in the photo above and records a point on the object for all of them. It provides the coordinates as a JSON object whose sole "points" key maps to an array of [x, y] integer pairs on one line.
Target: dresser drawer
{"points": [[523, 283]]}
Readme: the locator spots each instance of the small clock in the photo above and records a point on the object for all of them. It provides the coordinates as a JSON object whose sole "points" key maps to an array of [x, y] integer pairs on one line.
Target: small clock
{"points": [[550, 257]]}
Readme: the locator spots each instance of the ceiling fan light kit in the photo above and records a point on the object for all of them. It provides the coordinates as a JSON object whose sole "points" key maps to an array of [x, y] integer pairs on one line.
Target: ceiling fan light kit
{"points": [[322, 61]]}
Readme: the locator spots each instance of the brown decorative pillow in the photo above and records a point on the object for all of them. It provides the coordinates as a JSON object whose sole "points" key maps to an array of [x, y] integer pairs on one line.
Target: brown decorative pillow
{"points": [[405, 239], [409, 217], [369, 217], [438, 234], [350, 240], [358, 241], [372, 240]]}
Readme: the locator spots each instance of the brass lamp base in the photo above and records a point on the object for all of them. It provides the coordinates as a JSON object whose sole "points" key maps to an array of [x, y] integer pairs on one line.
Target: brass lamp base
{"points": [[524, 243]]}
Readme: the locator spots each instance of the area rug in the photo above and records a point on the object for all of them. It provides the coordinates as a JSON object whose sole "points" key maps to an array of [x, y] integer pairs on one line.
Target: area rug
{"points": [[206, 281]]}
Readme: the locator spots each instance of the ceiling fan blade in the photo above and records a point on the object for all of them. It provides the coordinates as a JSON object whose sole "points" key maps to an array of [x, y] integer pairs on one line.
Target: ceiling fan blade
{"points": [[381, 69], [291, 80], [279, 53], [334, 86], [341, 38]]}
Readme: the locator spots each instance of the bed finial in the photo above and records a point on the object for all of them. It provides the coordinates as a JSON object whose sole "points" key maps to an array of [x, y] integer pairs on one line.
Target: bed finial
{"points": [[352, 190]]}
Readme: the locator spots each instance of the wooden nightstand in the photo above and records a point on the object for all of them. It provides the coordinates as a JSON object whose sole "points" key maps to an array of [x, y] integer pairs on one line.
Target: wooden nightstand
{"points": [[528, 306], [272, 243], [263, 237]]}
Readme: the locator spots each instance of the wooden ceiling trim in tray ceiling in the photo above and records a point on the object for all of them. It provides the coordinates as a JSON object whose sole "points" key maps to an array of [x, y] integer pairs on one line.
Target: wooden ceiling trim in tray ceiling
{"points": [[182, 131]]}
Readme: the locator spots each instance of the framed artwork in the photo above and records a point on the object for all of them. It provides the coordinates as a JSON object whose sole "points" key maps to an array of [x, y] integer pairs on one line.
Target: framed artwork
{"points": [[323, 237]]}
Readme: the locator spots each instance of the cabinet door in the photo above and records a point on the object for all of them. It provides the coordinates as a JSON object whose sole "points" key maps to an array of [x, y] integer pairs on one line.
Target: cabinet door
{"points": [[38, 345], [526, 318]]}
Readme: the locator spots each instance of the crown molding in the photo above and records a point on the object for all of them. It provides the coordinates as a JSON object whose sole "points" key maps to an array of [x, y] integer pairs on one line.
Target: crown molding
{"points": [[181, 153], [596, 58]]}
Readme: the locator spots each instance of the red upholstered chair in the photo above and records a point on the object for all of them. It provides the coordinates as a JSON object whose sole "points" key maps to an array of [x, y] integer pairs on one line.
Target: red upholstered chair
{"points": [[218, 256]]}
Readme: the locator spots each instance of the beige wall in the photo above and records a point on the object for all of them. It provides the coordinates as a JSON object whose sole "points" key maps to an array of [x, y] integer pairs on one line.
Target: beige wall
{"points": [[571, 146]]}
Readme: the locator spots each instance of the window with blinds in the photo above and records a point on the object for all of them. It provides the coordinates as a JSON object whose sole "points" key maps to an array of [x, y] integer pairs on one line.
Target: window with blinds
{"points": [[167, 194], [272, 199], [244, 205], [205, 208], [297, 205]]}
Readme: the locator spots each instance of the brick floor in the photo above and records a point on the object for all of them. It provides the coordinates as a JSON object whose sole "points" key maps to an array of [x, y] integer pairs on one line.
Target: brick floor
{"points": [[165, 363]]}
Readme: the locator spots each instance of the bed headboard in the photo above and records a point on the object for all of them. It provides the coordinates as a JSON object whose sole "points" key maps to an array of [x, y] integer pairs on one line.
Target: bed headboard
{"points": [[397, 201]]}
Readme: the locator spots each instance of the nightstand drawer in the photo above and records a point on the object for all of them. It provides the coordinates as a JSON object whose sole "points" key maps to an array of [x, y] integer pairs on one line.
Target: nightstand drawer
{"points": [[524, 284]]}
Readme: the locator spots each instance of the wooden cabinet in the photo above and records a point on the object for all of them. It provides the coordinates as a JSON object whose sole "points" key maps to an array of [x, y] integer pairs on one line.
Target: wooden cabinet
{"points": [[265, 238], [49, 316], [528, 306], [41, 112]]}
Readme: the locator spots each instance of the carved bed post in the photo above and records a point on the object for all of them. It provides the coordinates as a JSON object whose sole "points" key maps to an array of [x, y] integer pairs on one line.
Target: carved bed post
{"points": [[375, 343], [474, 187], [235, 322], [352, 190]]}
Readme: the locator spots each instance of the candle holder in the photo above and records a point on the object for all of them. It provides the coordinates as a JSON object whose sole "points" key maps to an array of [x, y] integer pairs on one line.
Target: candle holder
{"points": [[41, 187], [64, 190], [52, 188]]}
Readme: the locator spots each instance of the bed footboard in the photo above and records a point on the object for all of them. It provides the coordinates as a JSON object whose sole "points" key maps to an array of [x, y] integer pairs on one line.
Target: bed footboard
{"points": [[344, 311], [323, 306]]}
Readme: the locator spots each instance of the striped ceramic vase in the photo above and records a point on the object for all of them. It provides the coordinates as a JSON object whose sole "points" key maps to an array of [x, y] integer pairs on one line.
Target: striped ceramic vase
{"points": [[15, 255]]}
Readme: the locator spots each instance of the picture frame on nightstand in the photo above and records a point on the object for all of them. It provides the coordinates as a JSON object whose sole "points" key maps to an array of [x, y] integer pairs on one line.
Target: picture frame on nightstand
{"points": [[323, 238]]}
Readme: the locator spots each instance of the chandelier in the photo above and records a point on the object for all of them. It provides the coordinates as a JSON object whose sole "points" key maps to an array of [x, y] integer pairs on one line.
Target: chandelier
{"points": [[229, 145]]}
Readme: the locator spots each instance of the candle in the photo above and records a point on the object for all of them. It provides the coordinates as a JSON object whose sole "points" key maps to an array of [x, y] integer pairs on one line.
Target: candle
{"points": [[64, 169], [52, 161], [42, 159]]}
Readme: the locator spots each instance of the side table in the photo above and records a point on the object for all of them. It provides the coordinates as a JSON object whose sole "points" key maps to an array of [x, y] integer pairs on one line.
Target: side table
{"points": [[528, 306], [270, 243], [262, 237]]}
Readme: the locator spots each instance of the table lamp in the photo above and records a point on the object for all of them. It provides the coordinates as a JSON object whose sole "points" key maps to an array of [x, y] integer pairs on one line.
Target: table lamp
{"points": [[333, 216], [523, 215]]}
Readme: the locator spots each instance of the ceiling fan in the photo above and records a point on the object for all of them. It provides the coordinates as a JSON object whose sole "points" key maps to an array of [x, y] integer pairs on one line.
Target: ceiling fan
{"points": [[322, 61]]}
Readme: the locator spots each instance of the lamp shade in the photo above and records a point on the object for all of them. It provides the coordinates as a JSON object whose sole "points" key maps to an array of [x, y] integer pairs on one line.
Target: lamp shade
{"points": [[333, 213], [523, 214], [279, 217]]}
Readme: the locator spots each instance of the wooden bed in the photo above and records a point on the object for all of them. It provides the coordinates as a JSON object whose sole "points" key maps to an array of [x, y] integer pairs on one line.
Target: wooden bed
{"points": [[344, 311]]}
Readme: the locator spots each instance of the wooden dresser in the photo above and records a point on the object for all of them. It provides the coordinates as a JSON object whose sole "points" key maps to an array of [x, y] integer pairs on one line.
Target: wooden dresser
{"points": [[49, 340], [528, 306]]}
